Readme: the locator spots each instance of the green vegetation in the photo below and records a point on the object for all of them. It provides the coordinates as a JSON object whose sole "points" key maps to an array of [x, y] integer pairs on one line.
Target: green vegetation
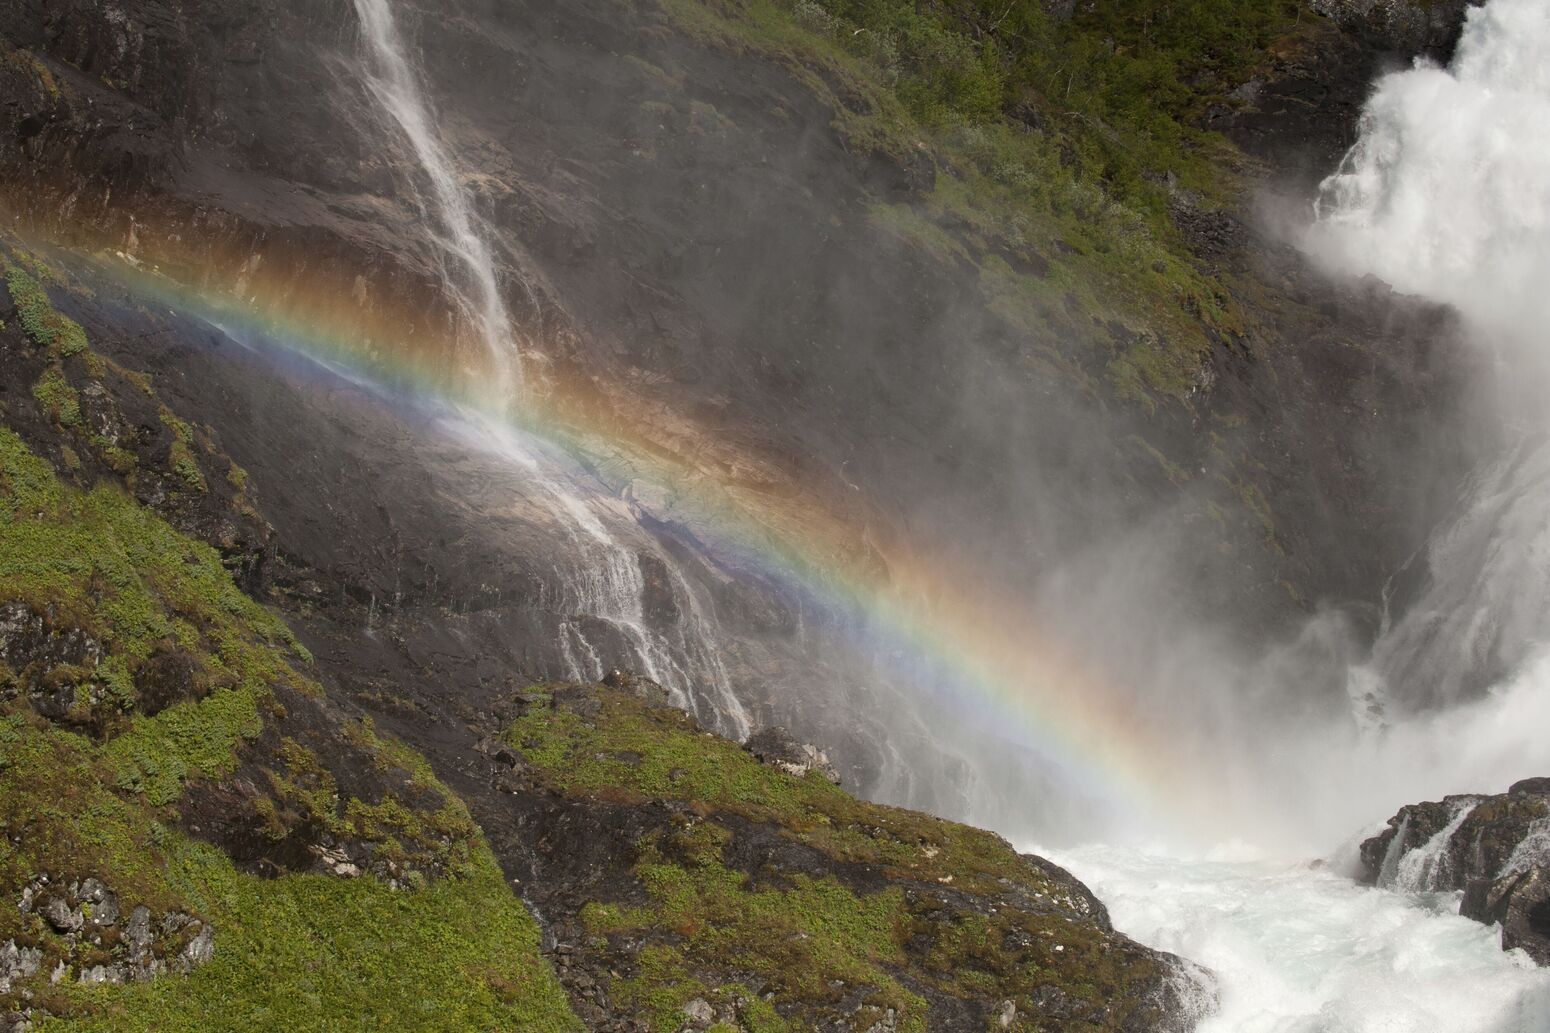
{"points": [[60, 334], [58, 398], [1061, 142], [66, 353], [322, 954], [813, 941], [634, 752], [28, 63], [797, 940], [96, 792], [181, 455]]}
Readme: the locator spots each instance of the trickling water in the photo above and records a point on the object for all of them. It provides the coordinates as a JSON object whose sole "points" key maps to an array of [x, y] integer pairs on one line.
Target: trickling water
{"points": [[1388, 872], [468, 266], [598, 584], [1532, 850]]}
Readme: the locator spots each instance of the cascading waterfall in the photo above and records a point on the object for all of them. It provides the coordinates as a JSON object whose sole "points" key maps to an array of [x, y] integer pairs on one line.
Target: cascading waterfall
{"points": [[1446, 195], [1533, 849], [1486, 604], [1447, 192], [602, 578], [468, 266]]}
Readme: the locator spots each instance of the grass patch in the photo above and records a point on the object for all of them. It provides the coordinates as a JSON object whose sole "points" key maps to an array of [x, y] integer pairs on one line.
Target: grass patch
{"points": [[941, 906], [300, 952]]}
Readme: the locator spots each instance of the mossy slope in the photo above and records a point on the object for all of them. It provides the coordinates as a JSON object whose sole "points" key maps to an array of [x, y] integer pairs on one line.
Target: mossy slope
{"points": [[160, 733], [1054, 153], [784, 903]]}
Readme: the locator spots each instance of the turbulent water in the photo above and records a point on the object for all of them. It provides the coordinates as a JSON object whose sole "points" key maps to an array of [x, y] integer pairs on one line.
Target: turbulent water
{"points": [[1303, 949], [1447, 196]]}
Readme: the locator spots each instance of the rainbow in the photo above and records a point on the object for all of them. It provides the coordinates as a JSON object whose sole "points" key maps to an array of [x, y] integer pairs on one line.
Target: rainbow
{"points": [[977, 651]]}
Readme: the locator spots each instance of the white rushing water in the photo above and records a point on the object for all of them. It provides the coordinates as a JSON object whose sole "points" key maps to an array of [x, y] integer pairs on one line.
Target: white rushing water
{"points": [[468, 263], [1447, 193], [1299, 949]]}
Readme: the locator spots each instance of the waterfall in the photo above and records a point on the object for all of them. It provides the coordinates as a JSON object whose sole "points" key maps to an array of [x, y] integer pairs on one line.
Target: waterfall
{"points": [[1447, 192], [600, 579], [1446, 195], [1429, 868], [599, 591], [468, 265]]}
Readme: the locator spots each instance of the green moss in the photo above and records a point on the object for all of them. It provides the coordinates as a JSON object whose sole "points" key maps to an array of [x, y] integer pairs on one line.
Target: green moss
{"points": [[799, 940], [47, 328], [58, 399], [635, 752], [156, 756], [806, 939], [299, 952], [1067, 140], [29, 63], [313, 953], [181, 454]]}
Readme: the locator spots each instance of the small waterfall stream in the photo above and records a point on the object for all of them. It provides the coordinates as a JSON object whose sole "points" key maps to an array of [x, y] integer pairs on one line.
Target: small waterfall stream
{"points": [[1429, 868], [600, 582], [468, 266]]}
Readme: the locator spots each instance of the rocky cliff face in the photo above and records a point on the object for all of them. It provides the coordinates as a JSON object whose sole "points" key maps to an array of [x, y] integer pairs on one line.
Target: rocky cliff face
{"points": [[721, 235], [738, 246], [209, 822], [1494, 849]]}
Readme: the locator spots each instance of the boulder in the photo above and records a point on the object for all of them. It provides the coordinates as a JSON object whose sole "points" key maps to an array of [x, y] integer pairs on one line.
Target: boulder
{"points": [[1493, 849], [778, 748], [641, 687]]}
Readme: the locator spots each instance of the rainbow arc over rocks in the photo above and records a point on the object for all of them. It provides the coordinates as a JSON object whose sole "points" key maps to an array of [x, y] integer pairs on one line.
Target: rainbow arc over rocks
{"points": [[980, 653]]}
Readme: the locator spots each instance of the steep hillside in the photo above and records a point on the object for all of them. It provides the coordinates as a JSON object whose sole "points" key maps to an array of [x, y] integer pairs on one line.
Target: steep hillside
{"points": [[204, 831], [1017, 205]]}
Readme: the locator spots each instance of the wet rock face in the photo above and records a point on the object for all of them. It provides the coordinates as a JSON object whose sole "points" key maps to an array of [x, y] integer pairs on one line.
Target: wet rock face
{"points": [[1300, 111], [1495, 849], [1414, 28]]}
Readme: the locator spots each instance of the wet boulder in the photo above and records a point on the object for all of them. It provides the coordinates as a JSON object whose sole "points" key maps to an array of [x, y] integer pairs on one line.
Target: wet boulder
{"points": [[1493, 849]]}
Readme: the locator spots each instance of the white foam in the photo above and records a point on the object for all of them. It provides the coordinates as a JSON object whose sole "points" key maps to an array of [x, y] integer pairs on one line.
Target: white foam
{"points": [[1447, 193], [1302, 950]]}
